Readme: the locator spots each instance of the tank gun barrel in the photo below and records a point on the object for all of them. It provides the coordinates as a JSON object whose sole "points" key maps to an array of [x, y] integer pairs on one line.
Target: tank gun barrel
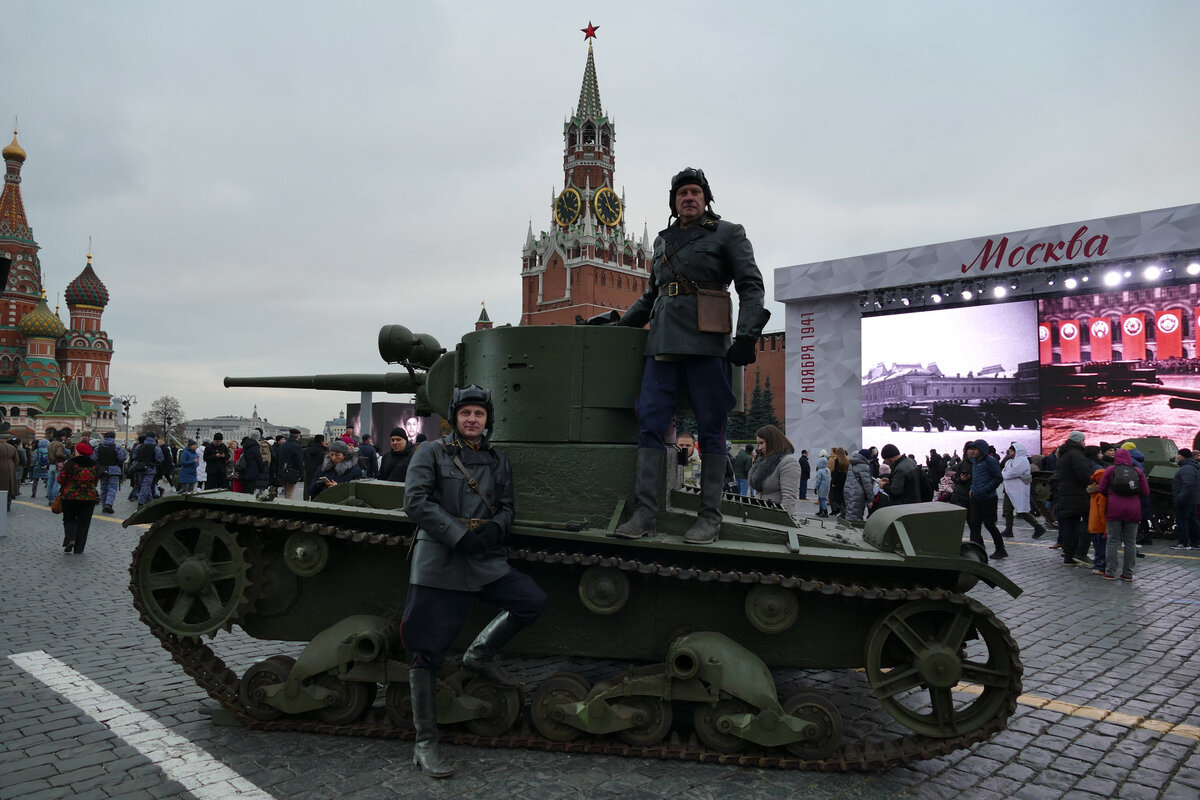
{"points": [[391, 382]]}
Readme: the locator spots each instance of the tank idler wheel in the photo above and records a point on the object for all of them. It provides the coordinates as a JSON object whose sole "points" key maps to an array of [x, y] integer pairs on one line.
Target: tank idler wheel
{"points": [[265, 673], [771, 609], [921, 651], [505, 703], [397, 702], [192, 577], [819, 710], [353, 699], [545, 705], [710, 730], [603, 590], [652, 720]]}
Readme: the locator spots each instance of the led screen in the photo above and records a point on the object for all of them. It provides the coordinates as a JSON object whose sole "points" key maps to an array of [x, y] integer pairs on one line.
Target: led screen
{"points": [[934, 379], [387, 415], [1120, 364]]}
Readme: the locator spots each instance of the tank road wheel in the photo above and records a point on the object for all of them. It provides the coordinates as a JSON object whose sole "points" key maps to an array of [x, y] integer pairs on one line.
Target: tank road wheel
{"points": [[771, 609], [653, 720], [819, 710], [265, 673], [603, 590], [505, 701], [544, 707], [398, 704], [353, 699], [305, 554], [192, 577], [709, 730], [918, 654]]}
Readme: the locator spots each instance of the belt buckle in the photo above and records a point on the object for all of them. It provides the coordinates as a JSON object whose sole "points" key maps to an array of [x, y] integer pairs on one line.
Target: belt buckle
{"points": [[672, 288]]}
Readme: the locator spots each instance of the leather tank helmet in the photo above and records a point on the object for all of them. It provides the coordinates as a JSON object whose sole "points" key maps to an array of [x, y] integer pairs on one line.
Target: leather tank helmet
{"points": [[688, 176], [472, 396]]}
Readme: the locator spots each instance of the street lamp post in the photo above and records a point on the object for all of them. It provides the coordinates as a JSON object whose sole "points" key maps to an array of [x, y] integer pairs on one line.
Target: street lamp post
{"points": [[167, 428], [127, 400]]}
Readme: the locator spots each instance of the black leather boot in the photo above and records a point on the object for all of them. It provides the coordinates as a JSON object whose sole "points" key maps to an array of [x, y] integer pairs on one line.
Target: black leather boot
{"points": [[422, 686], [707, 527], [480, 657], [644, 521]]}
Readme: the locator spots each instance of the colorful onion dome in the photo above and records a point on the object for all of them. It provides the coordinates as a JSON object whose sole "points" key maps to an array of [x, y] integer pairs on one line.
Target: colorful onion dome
{"points": [[87, 289], [41, 323], [14, 151]]}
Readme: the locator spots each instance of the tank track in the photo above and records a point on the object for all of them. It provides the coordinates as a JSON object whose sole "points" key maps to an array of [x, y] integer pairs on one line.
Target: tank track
{"points": [[221, 683]]}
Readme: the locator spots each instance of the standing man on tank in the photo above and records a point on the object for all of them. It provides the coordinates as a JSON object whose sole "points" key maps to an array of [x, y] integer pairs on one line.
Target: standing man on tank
{"points": [[459, 492], [696, 256]]}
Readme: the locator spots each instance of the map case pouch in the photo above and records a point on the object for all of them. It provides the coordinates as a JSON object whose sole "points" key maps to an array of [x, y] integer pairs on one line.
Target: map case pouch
{"points": [[714, 311]]}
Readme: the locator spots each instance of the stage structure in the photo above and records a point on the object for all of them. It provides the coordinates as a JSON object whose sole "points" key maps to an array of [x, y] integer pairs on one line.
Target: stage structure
{"points": [[1103, 312]]}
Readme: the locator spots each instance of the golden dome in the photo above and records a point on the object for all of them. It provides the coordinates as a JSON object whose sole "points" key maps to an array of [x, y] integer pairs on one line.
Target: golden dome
{"points": [[41, 323], [14, 151]]}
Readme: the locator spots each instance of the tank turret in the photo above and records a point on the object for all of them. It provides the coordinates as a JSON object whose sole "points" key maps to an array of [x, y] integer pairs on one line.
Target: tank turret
{"points": [[704, 626]]}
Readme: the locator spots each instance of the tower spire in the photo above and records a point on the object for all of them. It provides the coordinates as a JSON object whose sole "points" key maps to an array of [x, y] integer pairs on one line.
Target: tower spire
{"points": [[589, 92]]}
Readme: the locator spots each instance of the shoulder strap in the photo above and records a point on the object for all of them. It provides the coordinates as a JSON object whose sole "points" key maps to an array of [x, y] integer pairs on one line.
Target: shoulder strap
{"points": [[470, 478]]}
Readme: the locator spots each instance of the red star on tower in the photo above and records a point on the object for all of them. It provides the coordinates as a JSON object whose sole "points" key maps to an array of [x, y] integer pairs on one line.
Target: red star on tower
{"points": [[590, 31]]}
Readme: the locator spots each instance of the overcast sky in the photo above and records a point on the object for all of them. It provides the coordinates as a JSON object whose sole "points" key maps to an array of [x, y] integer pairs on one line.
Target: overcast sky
{"points": [[268, 183]]}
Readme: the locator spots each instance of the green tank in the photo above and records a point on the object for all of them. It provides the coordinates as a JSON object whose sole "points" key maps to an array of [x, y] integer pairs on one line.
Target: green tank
{"points": [[682, 644]]}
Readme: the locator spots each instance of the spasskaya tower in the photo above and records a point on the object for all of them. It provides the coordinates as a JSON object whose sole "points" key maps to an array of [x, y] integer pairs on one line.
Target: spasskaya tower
{"points": [[586, 263]]}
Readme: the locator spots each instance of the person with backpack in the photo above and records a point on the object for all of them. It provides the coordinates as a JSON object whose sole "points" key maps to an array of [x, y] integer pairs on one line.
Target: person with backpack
{"points": [[40, 465], [109, 458], [1124, 486], [1018, 476], [149, 456]]}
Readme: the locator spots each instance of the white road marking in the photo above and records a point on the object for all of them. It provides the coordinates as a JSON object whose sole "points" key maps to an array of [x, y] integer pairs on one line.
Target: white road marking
{"points": [[179, 759]]}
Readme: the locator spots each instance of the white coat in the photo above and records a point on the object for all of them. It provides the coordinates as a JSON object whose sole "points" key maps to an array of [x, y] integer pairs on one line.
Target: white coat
{"points": [[1015, 472], [201, 466]]}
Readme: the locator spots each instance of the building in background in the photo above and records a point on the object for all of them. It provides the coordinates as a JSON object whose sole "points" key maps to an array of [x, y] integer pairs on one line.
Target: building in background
{"points": [[52, 375], [234, 428]]}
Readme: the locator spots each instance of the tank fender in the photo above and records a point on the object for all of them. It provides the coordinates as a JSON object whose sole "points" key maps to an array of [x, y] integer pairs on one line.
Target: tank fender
{"points": [[724, 665]]}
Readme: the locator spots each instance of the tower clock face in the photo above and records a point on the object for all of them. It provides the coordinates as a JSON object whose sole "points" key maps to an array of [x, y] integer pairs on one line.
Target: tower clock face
{"points": [[567, 206], [608, 206]]}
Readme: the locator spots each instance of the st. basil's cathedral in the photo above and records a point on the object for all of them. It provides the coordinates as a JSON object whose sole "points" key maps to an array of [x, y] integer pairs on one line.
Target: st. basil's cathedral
{"points": [[51, 375]]}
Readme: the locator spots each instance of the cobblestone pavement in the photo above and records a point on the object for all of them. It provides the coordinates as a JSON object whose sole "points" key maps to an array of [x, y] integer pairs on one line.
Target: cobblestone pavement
{"points": [[1089, 647]]}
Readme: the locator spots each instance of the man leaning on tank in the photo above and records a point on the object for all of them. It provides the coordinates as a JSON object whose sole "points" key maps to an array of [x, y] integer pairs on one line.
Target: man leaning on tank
{"points": [[698, 253], [459, 492]]}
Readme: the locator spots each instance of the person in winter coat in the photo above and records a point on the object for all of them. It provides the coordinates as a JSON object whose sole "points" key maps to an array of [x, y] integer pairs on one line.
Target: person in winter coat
{"points": [[839, 468], [109, 457], [1071, 478], [394, 466], [901, 482], [805, 474], [250, 467], [1139, 463], [314, 457], [1097, 525], [77, 487], [291, 462], [821, 484], [1123, 514], [368, 457], [188, 460], [776, 474], [147, 457], [201, 466], [217, 459], [10, 470], [39, 470], [339, 467], [963, 473], [1018, 476], [981, 512], [1185, 490], [859, 489]]}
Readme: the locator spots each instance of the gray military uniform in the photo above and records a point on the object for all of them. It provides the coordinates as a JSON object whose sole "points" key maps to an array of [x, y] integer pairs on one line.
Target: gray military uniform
{"points": [[709, 251], [437, 497]]}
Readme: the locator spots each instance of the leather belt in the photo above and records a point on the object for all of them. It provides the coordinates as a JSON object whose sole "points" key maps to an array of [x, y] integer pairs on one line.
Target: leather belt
{"points": [[678, 287], [473, 524]]}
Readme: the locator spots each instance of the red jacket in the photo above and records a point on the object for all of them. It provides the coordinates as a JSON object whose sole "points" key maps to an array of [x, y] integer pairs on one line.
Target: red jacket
{"points": [[1124, 507]]}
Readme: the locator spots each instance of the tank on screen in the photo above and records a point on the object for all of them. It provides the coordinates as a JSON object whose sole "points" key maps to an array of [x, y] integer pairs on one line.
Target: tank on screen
{"points": [[683, 643]]}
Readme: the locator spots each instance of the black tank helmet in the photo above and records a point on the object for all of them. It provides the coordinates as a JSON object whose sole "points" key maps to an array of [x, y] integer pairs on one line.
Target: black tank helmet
{"points": [[472, 396], [684, 177]]}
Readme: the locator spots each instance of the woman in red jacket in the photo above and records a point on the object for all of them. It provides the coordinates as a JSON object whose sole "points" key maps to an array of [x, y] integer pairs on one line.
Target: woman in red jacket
{"points": [[1124, 512], [77, 487]]}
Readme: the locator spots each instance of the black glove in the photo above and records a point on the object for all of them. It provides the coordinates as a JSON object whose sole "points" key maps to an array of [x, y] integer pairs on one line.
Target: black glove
{"points": [[492, 534], [607, 318], [472, 543], [742, 351]]}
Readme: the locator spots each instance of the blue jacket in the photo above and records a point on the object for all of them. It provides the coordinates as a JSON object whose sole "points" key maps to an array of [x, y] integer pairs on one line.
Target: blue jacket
{"points": [[985, 473], [188, 459]]}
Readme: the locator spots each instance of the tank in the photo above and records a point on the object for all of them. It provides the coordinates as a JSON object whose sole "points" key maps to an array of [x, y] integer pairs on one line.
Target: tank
{"points": [[681, 644], [1159, 453]]}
